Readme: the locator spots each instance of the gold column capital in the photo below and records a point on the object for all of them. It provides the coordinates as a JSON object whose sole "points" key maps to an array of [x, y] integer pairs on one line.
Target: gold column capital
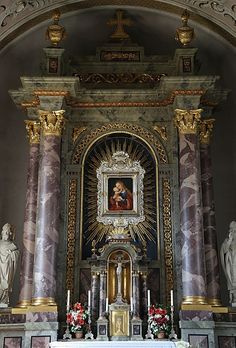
{"points": [[206, 127], [52, 122], [33, 131], [187, 120]]}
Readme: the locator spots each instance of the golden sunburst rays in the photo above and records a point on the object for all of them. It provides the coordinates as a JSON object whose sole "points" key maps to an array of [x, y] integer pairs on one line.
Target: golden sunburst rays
{"points": [[103, 151]]}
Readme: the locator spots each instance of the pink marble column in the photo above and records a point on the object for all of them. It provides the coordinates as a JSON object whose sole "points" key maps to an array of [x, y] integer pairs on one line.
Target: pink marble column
{"points": [[209, 222], [44, 286], [136, 300], [27, 261], [193, 258]]}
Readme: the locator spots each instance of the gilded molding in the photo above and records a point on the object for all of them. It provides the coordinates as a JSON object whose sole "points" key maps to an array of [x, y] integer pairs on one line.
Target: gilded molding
{"points": [[167, 230], [194, 300], [52, 122], [76, 133], [43, 301], [187, 121], [33, 131], [161, 130], [107, 128], [206, 127], [72, 207], [51, 93]]}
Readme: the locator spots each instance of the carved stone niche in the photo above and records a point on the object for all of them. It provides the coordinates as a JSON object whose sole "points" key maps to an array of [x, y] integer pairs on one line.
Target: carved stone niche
{"points": [[120, 192]]}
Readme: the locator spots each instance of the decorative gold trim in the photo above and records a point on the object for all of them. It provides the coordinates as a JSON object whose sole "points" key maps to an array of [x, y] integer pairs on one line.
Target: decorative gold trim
{"points": [[51, 93], [161, 130], [33, 131], [52, 122], [132, 128], [214, 302], [194, 300], [206, 127], [76, 133], [24, 304], [72, 207], [43, 301], [187, 121], [196, 307], [167, 230], [216, 309]]}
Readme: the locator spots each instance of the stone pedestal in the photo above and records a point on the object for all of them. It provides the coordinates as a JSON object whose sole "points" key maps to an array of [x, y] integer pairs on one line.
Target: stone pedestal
{"points": [[136, 329], [102, 329]]}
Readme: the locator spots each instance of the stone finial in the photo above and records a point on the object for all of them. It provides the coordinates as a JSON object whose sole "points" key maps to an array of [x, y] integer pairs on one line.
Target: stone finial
{"points": [[206, 127], [33, 131], [52, 122], [184, 34], [55, 32], [187, 120]]}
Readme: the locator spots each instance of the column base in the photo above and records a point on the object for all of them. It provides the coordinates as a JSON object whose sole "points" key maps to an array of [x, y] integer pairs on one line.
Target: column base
{"points": [[43, 301], [24, 304], [194, 300], [216, 302]]}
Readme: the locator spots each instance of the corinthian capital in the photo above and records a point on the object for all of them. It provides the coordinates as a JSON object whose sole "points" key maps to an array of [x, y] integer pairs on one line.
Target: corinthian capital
{"points": [[187, 120], [33, 131], [206, 127], [52, 122]]}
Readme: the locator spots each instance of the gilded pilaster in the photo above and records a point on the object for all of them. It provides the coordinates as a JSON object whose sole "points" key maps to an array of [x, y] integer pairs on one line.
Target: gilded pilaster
{"points": [[209, 222], [193, 260], [27, 261], [44, 288]]}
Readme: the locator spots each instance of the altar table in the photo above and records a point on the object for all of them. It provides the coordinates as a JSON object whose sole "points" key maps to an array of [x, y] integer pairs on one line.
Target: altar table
{"points": [[113, 344]]}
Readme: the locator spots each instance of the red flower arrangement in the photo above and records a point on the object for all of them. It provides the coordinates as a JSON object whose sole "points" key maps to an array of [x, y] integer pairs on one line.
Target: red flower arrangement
{"points": [[159, 319], [77, 317]]}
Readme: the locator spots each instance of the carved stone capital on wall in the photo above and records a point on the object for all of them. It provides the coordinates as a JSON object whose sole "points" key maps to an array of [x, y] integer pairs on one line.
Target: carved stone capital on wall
{"points": [[33, 131], [52, 122], [187, 121], [206, 127]]}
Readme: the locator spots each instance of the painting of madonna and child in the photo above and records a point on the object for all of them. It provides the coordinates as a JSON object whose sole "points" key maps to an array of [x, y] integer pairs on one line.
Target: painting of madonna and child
{"points": [[120, 194]]}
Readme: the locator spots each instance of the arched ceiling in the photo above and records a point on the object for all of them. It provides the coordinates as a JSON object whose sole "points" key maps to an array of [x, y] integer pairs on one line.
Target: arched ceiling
{"points": [[19, 15]]}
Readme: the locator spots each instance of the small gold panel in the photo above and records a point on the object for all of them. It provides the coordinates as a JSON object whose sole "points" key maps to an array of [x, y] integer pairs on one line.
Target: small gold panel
{"points": [[119, 323]]}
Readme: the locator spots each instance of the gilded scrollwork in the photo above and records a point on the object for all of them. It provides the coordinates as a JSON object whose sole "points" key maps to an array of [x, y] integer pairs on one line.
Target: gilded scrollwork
{"points": [[33, 131], [167, 230], [76, 133], [72, 207], [161, 130]]}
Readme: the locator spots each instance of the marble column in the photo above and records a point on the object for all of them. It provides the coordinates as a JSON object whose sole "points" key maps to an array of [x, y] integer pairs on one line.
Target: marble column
{"points": [[209, 222], [191, 226], [44, 283], [136, 301], [102, 294], [144, 302], [27, 260], [94, 296]]}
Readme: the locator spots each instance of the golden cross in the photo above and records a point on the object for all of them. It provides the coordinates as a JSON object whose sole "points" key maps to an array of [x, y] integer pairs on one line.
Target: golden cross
{"points": [[120, 22]]}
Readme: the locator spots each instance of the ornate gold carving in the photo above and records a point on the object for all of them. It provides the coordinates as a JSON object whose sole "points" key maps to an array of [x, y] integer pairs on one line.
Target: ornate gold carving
{"points": [[33, 131], [120, 33], [206, 127], [187, 121], [106, 128], [55, 32], [194, 300], [123, 78], [52, 122], [166, 189], [184, 34], [76, 133], [72, 206], [161, 130]]}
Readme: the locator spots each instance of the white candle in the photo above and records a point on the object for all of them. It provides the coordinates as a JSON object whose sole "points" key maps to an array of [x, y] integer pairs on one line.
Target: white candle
{"points": [[149, 298], [68, 300], [89, 298], [171, 298], [131, 304], [107, 304]]}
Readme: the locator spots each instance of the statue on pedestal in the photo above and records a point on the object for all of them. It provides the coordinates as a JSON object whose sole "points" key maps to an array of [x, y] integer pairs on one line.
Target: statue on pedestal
{"points": [[228, 260], [9, 255]]}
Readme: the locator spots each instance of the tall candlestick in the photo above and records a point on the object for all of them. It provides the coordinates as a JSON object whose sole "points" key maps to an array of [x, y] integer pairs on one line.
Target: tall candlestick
{"points": [[171, 298], [106, 304], [68, 301], [89, 298], [149, 298], [131, 304]]}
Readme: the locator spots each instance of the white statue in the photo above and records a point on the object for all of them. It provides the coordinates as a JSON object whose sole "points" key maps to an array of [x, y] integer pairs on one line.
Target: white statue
{"points": [[8, 261], [228, 260]]}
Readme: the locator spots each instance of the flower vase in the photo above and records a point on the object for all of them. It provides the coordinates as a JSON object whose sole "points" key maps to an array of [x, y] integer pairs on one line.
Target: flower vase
{"points": [[161, 334], [79, 334]]}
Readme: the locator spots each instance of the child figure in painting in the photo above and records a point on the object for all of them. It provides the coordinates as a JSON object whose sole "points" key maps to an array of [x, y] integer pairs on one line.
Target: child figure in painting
{"points": [[121, 198], [117, 197]]}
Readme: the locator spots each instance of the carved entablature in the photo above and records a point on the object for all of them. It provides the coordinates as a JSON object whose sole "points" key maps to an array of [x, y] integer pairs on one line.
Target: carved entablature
{"points": [[120, 191]]}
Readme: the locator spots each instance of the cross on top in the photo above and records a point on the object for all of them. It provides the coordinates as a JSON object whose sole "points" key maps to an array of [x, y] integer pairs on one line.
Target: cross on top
{"points": [[119, 21]]}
